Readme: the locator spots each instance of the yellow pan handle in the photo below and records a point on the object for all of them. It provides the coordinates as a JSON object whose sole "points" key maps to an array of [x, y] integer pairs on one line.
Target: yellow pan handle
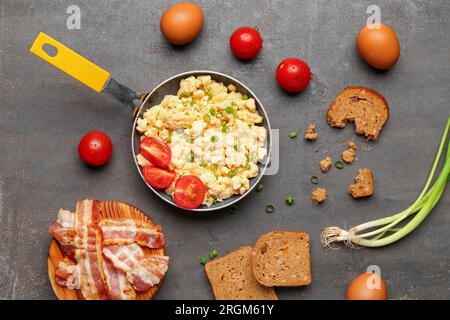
{"points": [[70, 62]]}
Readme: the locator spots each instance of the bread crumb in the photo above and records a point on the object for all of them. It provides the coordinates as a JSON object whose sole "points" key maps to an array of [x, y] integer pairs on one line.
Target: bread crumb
{"points": [[349, 155], [325, 164], [318, 195], [310, 134], [363, 186]]}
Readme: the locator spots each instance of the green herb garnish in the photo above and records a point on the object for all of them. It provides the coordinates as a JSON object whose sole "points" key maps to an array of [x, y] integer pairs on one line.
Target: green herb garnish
{"points": [[245, 97], [232, 173], [293, 134], [212, 112], [230, 110], [314, 180], [270, 208], [213, 253], [225, 128], [203, 260], [289, 201], [339, 165], [259, 187], [185, 94], [214, 138]]}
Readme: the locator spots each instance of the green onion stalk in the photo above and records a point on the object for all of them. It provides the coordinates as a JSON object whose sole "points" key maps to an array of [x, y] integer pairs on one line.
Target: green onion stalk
{"points": [[384, 231]]}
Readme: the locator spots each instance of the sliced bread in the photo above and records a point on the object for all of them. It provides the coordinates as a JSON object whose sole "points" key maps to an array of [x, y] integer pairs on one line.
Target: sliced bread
{"points": [[365, 107], [231, 278], [282, 258]]}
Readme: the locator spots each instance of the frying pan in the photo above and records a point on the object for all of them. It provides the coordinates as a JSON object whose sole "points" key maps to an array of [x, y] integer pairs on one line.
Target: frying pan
{"points": [[98, 79]]}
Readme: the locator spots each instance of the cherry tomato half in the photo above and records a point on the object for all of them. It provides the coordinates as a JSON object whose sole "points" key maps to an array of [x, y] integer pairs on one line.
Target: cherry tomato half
{"points": [[158, 178], [156, 151], [95, 148], [246, 43], [189, 192], [293, 75]]}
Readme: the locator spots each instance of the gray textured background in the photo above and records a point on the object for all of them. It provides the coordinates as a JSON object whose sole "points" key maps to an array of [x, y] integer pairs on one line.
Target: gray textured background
{"points": [[44, 113]]}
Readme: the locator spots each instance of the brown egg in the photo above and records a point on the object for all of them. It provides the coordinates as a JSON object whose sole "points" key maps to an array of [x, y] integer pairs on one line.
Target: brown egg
{"points": [[367, 286], [379, 46], [182, 22]]}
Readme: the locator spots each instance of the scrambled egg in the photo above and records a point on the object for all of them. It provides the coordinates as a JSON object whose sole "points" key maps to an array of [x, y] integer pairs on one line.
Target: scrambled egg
{"points": [[212, 133]]}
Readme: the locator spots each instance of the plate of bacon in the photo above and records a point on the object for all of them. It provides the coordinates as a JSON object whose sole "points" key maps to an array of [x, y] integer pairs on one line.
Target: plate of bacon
{"points": [[106, 250]]}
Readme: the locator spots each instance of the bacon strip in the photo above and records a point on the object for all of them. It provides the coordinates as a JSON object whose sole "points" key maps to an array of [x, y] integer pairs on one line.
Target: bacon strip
{"points": [[63, 229], [122, 231], [88, 253], [119, 288], [67, 274], [143, 272]]}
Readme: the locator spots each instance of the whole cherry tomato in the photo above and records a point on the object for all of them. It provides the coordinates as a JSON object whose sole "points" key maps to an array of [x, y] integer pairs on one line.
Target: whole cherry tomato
{"points": [[95, 148], [293, 75], [245, 43], [189, 192]]}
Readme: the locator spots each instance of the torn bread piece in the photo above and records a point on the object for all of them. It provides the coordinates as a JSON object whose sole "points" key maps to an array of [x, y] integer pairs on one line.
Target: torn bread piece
{"points": [[349, 155], [231, 278], [319, 195], [282, 258], [363, 186], [365, 107], [325, 164], [311, 134]]}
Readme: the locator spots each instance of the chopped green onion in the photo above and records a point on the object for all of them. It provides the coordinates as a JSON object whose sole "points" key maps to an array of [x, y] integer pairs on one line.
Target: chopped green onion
{"points": [[216, 201], [232, 173], [270, 208], [248, 167], [191, 157], [339, 165], [225, 128], [259, 187], [212, 112], [236, 147], [314, 180], [245, 97], [185, 94], [203, 163], [214, 166], [289, 201], [293, 134], [213, 253], [230, 110], [203, 260], [214, 138], [210, 95], [234, 104]]}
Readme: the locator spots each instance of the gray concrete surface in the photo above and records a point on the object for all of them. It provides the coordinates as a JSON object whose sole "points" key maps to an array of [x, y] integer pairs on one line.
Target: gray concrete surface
{"points": [[44, 113]]}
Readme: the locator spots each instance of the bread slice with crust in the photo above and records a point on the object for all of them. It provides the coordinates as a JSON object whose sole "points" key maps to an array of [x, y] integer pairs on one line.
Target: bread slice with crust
{"points": [[365, 107], [231, 278], [282, 258]]}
